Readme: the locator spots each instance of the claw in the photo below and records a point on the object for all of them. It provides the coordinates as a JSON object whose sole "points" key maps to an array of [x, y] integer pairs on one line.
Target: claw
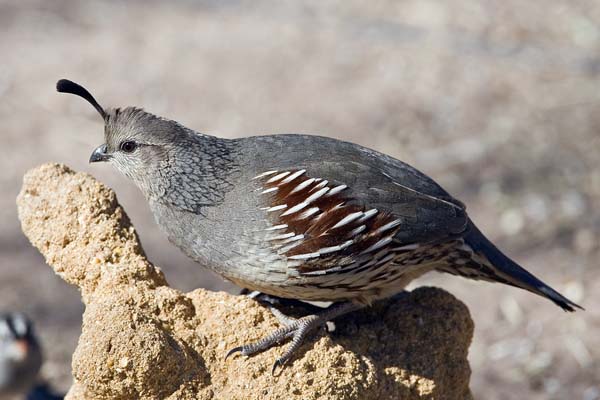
{"points": [[297, 329], [233, 351], [278, 363]]}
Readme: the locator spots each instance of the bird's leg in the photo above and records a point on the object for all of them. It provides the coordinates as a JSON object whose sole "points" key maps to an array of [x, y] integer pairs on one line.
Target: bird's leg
{"points": [[297, 329], [283, 319], [271, 302]]}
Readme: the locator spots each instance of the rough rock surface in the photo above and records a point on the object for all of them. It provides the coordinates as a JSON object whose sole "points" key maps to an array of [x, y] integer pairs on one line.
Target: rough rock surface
{"points": [[143, 339]]}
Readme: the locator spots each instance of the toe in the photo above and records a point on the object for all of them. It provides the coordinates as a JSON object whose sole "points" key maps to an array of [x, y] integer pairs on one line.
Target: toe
{"points": [[239, 349]]}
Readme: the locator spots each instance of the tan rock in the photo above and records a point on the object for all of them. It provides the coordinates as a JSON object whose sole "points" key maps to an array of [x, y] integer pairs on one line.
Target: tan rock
{"points": [[144, 340]]}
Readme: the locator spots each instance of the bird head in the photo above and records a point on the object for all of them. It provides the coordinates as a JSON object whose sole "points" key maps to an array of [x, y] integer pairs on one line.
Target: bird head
{"points": [[16, 337], [20, 353], [136, 142]]}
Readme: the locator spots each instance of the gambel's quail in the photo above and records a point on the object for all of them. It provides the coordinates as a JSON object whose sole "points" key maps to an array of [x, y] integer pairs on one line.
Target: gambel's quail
{"points": [[300, 217]]}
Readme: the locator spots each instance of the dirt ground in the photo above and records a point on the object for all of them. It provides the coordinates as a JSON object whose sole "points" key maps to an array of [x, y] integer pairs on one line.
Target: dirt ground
{"points": [[498, 101]]}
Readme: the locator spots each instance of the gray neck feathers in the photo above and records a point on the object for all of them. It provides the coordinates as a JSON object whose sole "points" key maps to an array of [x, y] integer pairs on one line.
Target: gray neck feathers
{"points": [[197, 172]]}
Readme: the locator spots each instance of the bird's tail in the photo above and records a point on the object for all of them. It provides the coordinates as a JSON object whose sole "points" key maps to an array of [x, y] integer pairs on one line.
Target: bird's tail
{"points": [[489, 263]]}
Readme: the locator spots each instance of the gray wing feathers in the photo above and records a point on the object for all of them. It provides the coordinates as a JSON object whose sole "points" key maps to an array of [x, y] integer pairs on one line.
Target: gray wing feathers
{"points": [[427, 211]]}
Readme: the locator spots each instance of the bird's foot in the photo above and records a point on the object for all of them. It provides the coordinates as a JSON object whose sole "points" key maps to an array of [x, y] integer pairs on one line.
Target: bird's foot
{"points": [[271, 302], [297, 329]]}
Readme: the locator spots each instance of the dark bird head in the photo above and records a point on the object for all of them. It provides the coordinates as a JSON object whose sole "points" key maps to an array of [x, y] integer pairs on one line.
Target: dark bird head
{"points": [[137, 143], [20, 354]]}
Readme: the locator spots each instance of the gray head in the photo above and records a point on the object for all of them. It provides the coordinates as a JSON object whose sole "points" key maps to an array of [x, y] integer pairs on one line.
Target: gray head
{"points": [[137, 143], [20, 356], [166, 160]]}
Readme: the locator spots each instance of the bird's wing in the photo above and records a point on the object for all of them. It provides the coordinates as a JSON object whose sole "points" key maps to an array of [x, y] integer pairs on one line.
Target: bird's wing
{"points": [[373, 180], [334, 213]]}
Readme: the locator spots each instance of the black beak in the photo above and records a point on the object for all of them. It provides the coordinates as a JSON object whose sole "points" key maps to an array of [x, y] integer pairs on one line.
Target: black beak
{"points": [[99, 154]]}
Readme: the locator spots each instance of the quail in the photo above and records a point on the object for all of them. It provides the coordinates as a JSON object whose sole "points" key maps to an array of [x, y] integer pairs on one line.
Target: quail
{"points": [[20, 354], [300, 217]]}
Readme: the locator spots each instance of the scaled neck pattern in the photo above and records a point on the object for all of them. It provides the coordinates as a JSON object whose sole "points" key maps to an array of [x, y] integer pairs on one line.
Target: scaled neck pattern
{"points": [[198, 173]]}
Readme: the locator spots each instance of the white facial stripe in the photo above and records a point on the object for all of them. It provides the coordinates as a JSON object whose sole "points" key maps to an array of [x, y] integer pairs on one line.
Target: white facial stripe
{"points": [[5, 330], [20, 325]]}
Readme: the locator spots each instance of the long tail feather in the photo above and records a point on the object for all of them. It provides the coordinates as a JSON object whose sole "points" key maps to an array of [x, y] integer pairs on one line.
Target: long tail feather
{"points": [[502, 269]]}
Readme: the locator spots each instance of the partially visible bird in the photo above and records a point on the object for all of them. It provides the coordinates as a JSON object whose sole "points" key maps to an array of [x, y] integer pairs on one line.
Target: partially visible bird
{"points": [[20, 354], [300, 217]]}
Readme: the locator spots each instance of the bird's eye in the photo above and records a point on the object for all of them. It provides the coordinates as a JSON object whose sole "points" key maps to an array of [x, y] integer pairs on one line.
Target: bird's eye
{"points": [[128, 146]]}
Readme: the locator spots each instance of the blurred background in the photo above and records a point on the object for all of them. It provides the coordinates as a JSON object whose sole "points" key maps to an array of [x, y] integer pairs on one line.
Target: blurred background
{"points": [[499, 101]]}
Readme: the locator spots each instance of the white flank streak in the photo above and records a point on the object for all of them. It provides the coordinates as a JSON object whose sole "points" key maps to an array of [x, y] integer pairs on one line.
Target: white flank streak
{"points": [[358, 230], [309, 212], [316, 195], [282, 236], [378, 245], [407, 247], [313, 273], [297, 207], [347, 219], [327, 250], [303, 185], [388, 226], [279, 207], [265, 174], [294, 238], [278, 177], [370, 263], [386, 259], [276, 227], [466, 247], [273, 189], [338, 206], [293, 176], [336, 189], [380, 254], [351, 266], [287, 248], [368, 214], [320, 185], [304, 256]]}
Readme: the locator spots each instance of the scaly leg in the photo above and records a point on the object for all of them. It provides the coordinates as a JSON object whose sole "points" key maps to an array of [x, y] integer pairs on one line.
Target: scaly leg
{"points": [[297, 329], [271, 302]]}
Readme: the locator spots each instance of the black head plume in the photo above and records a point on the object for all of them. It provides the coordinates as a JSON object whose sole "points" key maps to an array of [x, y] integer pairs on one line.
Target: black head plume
{"points": [[67, 86]]}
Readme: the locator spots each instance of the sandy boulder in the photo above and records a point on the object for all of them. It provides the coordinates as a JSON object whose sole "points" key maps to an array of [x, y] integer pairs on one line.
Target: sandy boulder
{"points": [[142, 339]]}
